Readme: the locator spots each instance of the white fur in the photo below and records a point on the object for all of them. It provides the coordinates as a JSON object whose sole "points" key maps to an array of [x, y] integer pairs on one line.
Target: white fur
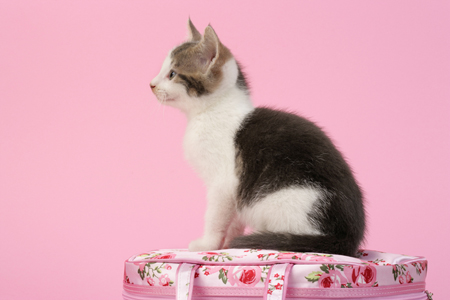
{"points": [[213, 121], [209, 147], [283, 212]]}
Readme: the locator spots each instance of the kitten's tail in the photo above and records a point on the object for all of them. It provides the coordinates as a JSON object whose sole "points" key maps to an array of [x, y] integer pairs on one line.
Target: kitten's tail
{"points": [[297, 243]]}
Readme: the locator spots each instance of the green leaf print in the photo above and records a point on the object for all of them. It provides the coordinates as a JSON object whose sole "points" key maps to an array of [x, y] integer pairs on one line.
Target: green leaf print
{"points": [[325, 269], [314, 276]]}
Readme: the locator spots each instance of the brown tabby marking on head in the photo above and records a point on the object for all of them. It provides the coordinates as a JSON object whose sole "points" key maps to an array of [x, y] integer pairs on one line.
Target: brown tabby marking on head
{"points": [[199, 63], [193, 85]]}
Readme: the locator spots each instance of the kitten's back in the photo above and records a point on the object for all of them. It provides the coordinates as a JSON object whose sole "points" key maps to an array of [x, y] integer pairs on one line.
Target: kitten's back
{"points": [[277, 150]]}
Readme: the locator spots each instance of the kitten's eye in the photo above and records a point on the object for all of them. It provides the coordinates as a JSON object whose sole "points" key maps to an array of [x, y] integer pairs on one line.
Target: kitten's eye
{"points": [[172, 74]]}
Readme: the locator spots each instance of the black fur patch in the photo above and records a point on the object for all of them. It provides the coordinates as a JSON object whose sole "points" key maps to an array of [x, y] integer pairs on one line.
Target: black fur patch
{"points": [[276, 150], [241, 80], [297, 243], [193, 84]]}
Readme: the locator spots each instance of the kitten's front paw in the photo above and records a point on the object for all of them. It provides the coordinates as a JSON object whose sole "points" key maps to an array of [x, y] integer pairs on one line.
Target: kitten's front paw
{"points": [[203, 245]]}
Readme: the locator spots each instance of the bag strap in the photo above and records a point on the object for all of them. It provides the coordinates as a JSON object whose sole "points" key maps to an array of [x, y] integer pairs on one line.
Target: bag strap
{"points": [[275, 285], [277, 281], [185, 281]]}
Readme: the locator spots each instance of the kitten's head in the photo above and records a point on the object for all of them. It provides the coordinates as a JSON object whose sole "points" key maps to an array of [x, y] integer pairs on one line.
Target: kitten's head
{"points": [[197, 72]]}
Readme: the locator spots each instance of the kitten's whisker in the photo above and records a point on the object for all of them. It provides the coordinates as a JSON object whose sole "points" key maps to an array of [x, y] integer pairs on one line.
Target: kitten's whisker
{"points": [[153, 109], [164, 106], [159, 100]]}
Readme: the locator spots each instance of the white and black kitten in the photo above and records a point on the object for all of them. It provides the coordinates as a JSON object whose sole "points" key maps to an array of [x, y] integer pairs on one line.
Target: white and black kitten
{"points": [[273, 171]]}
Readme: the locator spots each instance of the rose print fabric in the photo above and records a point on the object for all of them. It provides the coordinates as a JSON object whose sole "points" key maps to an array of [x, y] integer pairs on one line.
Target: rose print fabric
{"points": [[250, 269]]}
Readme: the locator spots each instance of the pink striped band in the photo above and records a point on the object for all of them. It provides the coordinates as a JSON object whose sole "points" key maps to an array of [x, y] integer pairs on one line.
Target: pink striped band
{"points": [[291, 292]]}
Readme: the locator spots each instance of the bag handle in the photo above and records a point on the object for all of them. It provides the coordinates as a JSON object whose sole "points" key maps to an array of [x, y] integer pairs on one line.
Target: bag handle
{"points": [[277, 281], [275, 285], [185, 281]]}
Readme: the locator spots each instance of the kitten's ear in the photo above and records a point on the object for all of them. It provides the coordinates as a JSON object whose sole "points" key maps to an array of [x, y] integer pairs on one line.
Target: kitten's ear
{"points": [[193, 33], [209, 47]]}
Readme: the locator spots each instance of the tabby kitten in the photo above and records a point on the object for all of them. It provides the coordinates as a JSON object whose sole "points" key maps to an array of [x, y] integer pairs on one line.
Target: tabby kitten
{"points": [[273, 171]]}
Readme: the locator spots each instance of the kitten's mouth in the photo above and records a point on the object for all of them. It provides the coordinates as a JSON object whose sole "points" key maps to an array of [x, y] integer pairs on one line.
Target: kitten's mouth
{"points": [[163, 98]]}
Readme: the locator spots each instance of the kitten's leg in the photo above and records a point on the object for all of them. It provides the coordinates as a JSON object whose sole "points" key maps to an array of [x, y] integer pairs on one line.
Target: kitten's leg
{"points": [[218, 217], [236, 228]]}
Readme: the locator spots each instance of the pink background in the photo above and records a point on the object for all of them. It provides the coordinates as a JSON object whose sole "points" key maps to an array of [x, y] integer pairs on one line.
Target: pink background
{"points": [[91, 166]]}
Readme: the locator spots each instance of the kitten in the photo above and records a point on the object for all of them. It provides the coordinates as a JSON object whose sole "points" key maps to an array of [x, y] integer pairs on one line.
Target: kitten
{"points": [[271, 170]]}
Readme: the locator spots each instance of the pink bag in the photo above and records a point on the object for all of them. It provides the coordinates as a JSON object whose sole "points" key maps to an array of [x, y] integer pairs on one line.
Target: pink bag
{"points": [[273, 275]]}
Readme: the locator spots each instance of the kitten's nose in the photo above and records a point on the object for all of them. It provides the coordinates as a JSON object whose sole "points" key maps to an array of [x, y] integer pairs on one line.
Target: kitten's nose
{"points": [[152, 86]]}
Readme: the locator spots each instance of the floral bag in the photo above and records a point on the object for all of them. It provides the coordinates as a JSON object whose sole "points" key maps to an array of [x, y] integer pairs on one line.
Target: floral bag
{"points": [[271, 275]]}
